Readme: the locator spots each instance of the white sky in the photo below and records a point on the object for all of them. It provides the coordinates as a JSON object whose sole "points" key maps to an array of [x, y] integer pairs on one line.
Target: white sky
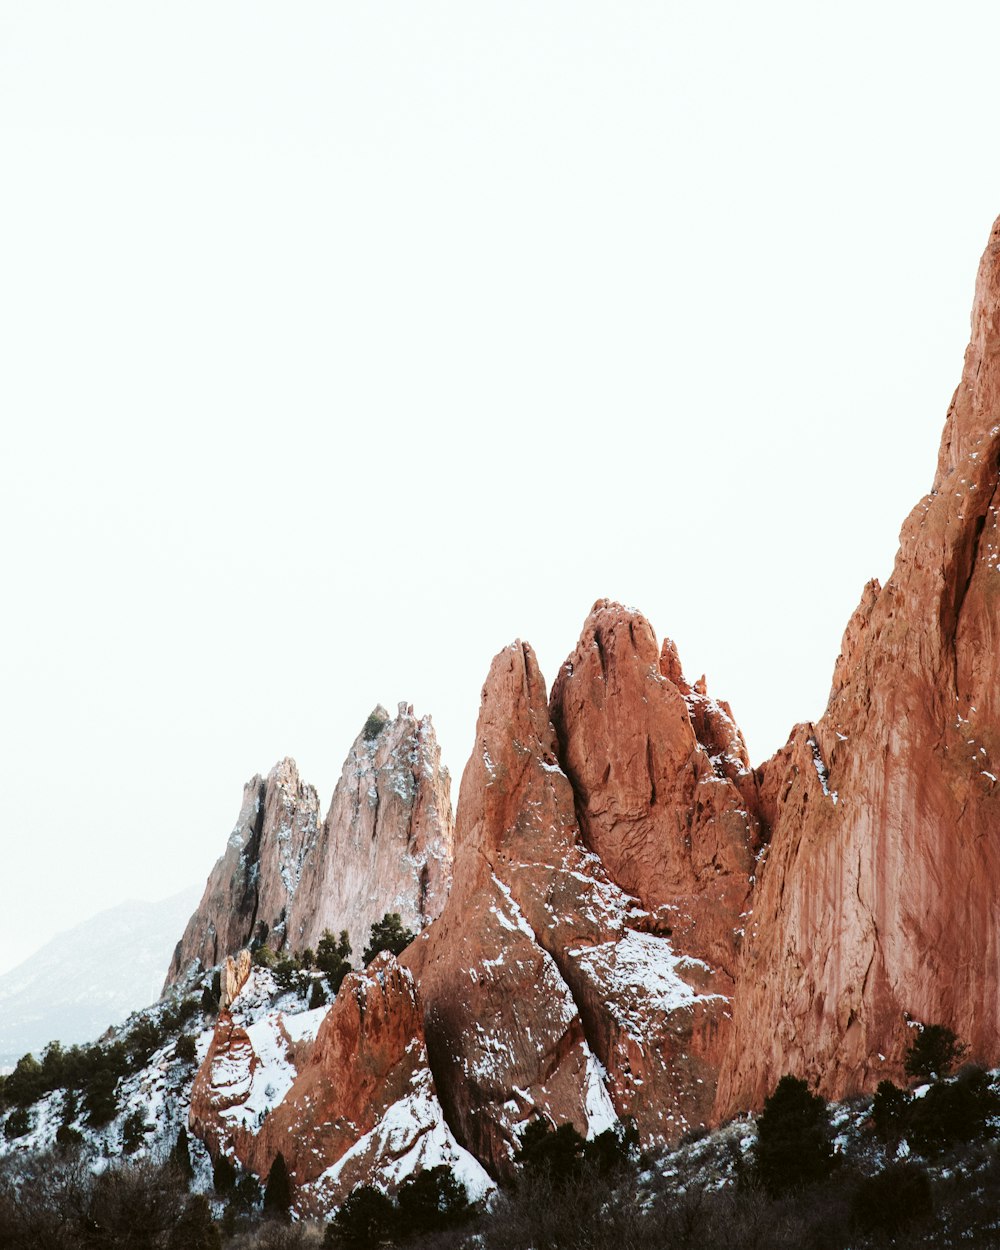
{"points": [[340, 344]]}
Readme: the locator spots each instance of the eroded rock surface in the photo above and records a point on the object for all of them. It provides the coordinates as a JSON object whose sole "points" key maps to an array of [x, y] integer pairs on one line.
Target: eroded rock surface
{"points": [[880, 894], [386, 845]]}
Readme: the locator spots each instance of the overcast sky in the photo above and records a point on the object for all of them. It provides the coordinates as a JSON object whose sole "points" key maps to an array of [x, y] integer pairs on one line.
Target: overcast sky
{"points": [[340, 344]]}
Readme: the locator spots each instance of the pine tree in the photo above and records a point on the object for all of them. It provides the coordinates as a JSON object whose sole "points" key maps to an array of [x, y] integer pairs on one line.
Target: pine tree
{"points": [[934, 1052], [387, 934], [793, 1138], [182, 1154], [278, 1191]]}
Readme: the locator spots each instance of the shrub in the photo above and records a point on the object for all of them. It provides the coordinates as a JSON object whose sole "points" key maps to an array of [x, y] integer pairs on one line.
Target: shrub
{"points": [[18, 1123], [223, 1175], [933, 1053], [100, 1099], [186, 1049], [181, 1154], [387, 934], [264, 957], [195, 1229], [891, 1200], [793, 1139], [133, 1132], [317, 995], [556, 1153], [374, 725]]}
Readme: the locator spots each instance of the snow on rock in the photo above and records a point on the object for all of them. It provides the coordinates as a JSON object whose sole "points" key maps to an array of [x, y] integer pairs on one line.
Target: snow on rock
{"points": [[411, 1136]]}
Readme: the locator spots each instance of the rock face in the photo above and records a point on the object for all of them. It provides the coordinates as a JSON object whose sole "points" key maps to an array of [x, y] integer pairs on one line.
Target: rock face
{"points": [[249, 889], [386, 845], [344, 1093], [881, 893], [639, 924], [548, 989], [387, 841]]}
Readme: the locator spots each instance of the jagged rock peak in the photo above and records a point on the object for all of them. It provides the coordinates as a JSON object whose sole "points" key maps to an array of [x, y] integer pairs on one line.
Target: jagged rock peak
{"points": [[285, 876], [387, 843]]}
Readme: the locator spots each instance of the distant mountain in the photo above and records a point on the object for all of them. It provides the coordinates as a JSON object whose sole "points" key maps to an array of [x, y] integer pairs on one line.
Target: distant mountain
{"points": [[91, 976]]}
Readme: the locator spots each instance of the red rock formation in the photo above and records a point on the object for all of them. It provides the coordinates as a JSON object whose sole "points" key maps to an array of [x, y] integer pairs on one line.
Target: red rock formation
{"points": [[665, 794], [249, 889], [541, 964], [879, 895], [386, 845], [357, 1105]]}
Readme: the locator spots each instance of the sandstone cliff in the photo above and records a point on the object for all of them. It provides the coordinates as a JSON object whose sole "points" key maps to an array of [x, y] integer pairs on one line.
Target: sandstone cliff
{"points": [[386, 845], [881, 893], [639, 924]]}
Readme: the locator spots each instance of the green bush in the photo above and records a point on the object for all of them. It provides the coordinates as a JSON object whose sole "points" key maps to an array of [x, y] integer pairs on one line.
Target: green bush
{"points": [[890, 1112], [374, 725], [793, 1139], [432, 1200], [186, 1048], [387, 934], [133, 1132]]}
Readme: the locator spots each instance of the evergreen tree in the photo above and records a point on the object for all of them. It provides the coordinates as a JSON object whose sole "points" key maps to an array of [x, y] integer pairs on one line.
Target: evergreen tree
{"points": [[181, 1154], [387, 934], [133, 1132], [278, 1191], [186, 1049], [223, 1175], [889, 1109], [333, 958], [433, 1199], [317, 995], [934, 1053], [556, 1152], [363, 1221], [793, 1139]]}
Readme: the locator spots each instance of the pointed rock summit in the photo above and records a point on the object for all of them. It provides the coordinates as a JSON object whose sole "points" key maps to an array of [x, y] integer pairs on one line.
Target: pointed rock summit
{"points": [[386, 845]]}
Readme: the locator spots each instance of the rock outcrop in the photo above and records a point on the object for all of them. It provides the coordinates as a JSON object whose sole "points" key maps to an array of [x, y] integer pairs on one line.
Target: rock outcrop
{"points": [[387, 841], [548, 989], [386, 845], [880, 899], [639, 924], [249, 889], [344, 1093]]}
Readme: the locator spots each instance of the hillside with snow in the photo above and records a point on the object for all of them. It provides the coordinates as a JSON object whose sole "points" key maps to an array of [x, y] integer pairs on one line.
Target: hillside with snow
{"points": [[91, 976]]}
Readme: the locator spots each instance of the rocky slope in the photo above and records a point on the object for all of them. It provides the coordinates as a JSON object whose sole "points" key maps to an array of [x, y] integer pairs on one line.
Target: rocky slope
{"points": [[285, 876]]}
